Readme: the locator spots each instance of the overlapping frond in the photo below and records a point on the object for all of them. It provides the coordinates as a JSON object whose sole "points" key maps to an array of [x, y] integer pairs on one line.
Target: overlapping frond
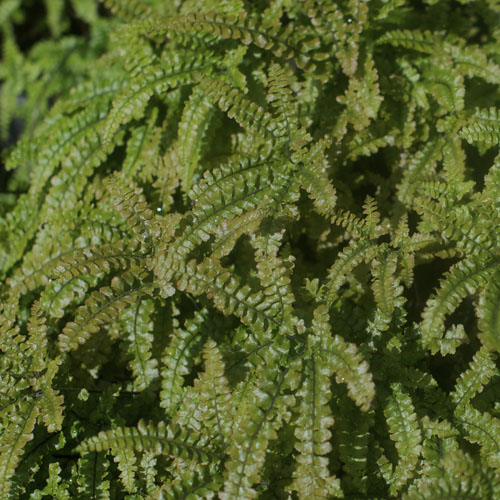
{"points": [[159, 438], [101, 309], [249, 249], [484, 127], [405, 432]]}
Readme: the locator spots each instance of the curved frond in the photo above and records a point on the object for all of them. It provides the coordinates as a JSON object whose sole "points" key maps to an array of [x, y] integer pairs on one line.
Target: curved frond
{"points": [[13, 439], [192, 128], [463, 478], [207, 405], [405, 432], [471, 382], [185, 344], [237, 105], [463, 279], [258, 424], [488, 313], [100, 309], [160, 438], [154, 77], [312, 478], [423, 41], [484, 127], [386, 288], [344, 359], [137, 322], [483, 429]]}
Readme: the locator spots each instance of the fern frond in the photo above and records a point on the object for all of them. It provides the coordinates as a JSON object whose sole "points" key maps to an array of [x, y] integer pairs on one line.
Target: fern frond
{"points": [[255, 309], [93, 475], [483, 429], [258, 423], [463, 279], [94, 93], [420, 164], [15, 435], [365, 229], [280, 97], [487, 311], [207, 405], [69, 146], [237, 105], [362, 98], [405, 432], [64, 138], [345, 360], [356, 252], [471, 382], [335, 23], [213, 204], [130, 9], [241, 27], [484, 127], [463, 478], [222, 195], [314, 178], [454, 159], [132, 205], [101, 308], [185, 343], [143, 149], [38, 266], [100, 260], [137, 322], [472, 61], [327, 19], [352, 439], [201, 484], [446, 85], [51, 403], [423, 41], [155, 77], [274, 274], [227, 234], [126, 463], [191, 132], [469, 239], [385, 286], [365, 144], [70, 181], [312, 478], [439, 440], [159, 438]]}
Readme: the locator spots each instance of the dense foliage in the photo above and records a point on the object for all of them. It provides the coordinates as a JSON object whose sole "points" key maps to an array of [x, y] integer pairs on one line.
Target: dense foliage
{"points": [[249, 249]]}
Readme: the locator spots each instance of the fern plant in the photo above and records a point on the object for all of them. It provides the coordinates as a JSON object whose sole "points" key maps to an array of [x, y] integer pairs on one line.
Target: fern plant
{"points": [[249, 250]]}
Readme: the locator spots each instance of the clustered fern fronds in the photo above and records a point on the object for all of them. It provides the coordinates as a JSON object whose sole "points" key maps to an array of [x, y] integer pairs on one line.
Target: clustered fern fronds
{"points": [[250, 250]]}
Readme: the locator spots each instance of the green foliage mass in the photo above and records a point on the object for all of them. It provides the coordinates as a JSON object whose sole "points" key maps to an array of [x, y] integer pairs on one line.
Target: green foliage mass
{"points": [[249, 249]]}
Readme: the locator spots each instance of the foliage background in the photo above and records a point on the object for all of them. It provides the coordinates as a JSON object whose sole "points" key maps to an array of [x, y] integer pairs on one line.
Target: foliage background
{"points": [[249, 249]]}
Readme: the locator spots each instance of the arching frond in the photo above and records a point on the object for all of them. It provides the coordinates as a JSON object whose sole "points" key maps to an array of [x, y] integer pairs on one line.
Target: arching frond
{"points": [[405, 432], [484, 127], [101, 309], [160, 438]]}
